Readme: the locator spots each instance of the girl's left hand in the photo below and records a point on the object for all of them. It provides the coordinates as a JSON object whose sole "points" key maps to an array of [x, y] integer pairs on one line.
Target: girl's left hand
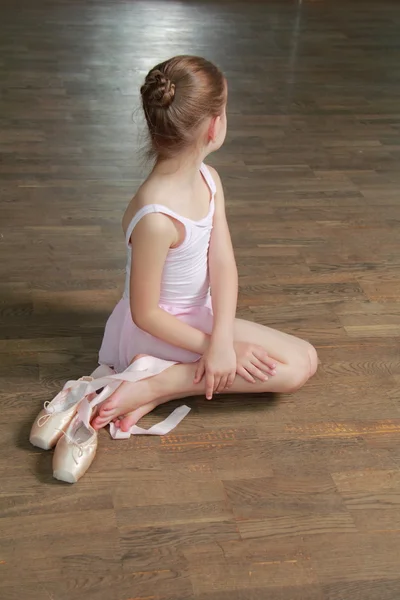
{"points": [[218, 365]]}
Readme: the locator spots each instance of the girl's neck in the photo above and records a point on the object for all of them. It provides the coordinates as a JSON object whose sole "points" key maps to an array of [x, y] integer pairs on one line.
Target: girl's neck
{"points": [[186, 166]]}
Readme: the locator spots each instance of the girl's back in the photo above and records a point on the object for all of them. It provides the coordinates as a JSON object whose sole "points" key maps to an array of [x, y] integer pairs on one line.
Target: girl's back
{"points": [[185, 280]]}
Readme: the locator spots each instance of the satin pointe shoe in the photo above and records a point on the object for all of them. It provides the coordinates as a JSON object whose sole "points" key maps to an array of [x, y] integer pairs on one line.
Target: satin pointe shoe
{"points": [[57, 414], [76, 449]]}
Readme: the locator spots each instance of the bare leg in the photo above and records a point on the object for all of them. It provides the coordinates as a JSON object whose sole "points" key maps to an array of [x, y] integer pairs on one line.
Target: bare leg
{"points": [[296, 363]]}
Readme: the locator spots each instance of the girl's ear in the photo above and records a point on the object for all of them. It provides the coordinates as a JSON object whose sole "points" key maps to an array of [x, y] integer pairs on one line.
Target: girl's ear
{"points": [[213, 129]]}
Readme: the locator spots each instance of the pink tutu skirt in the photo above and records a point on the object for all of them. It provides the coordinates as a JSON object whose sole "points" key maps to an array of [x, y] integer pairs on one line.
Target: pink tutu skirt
{"points": [[123, 340]]}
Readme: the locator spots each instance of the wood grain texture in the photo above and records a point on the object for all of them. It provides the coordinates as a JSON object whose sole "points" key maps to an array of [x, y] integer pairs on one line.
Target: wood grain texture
{"points": [[252, 498]]}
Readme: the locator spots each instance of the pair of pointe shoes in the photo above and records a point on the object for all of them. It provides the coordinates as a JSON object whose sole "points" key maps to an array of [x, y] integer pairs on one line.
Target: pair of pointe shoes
{"points": [[61, 425], [65, 421]]}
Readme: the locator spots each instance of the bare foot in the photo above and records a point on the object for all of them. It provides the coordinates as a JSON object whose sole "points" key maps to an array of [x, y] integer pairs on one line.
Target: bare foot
{"points": [[126, 399], [125, 422]]}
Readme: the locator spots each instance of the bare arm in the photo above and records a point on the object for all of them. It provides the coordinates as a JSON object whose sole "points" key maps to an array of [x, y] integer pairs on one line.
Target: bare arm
{"points": [[223, 271], [151, 239], [218, 363]]}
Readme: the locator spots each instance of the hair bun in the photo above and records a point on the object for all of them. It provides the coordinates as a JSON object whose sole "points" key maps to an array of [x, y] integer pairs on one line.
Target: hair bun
{"points": [[157, 91]]}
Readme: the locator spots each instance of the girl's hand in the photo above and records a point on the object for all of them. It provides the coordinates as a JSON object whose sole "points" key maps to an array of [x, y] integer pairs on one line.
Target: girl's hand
{"points": [[218, 365], [253, 362]]}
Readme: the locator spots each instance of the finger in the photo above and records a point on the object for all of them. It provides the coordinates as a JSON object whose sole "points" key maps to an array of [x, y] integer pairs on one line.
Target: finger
{"points": [[217, 381], [245, 375], [222, 384], [199, 372], [257, 373], [209, 386], [231, 379], [262, 366], [264, 358]]}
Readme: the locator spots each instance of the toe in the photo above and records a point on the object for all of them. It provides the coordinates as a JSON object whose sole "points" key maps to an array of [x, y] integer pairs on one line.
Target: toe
{"points": [[96, 423], [100, 421], [128, 421]]}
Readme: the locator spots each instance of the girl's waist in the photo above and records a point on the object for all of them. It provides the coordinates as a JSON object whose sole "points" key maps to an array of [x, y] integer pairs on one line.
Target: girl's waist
{"points": [[182, 305], [185, 305]]}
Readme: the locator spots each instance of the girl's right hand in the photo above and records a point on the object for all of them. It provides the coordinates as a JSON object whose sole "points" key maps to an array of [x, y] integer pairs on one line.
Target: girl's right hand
{"points": [[253, 362], [218, 367]]}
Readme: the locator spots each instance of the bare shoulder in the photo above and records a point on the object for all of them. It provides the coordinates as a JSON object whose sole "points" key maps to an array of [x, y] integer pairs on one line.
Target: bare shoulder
{"points": [[154, 230], [144, 196], [153, 224]]}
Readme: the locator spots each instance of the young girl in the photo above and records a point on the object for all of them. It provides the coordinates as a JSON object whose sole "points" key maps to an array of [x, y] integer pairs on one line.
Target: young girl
{"points": [[181, 286]]}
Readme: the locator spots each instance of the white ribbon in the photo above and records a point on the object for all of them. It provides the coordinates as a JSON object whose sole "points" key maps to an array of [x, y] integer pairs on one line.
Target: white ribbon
{"points": [[161, 428]]}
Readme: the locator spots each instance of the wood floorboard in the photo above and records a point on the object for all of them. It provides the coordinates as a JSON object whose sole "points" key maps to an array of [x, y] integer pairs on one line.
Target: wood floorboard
{"points": [[254, 498]]}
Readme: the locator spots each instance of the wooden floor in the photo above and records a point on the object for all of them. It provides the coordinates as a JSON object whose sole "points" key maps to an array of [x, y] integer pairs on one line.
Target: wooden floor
{"points": [[290, 498]]}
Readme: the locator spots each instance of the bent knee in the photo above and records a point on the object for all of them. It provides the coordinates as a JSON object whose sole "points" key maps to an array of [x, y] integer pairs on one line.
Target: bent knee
{"points": [[303, 365]]}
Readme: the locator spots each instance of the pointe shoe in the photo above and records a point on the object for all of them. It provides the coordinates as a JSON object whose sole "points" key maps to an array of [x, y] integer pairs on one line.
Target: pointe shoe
{"points": [[75, 451], [56, 415]]}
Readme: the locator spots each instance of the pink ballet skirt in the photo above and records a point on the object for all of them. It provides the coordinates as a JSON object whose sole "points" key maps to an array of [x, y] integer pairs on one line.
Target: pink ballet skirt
{"points": [[123, 340]]}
